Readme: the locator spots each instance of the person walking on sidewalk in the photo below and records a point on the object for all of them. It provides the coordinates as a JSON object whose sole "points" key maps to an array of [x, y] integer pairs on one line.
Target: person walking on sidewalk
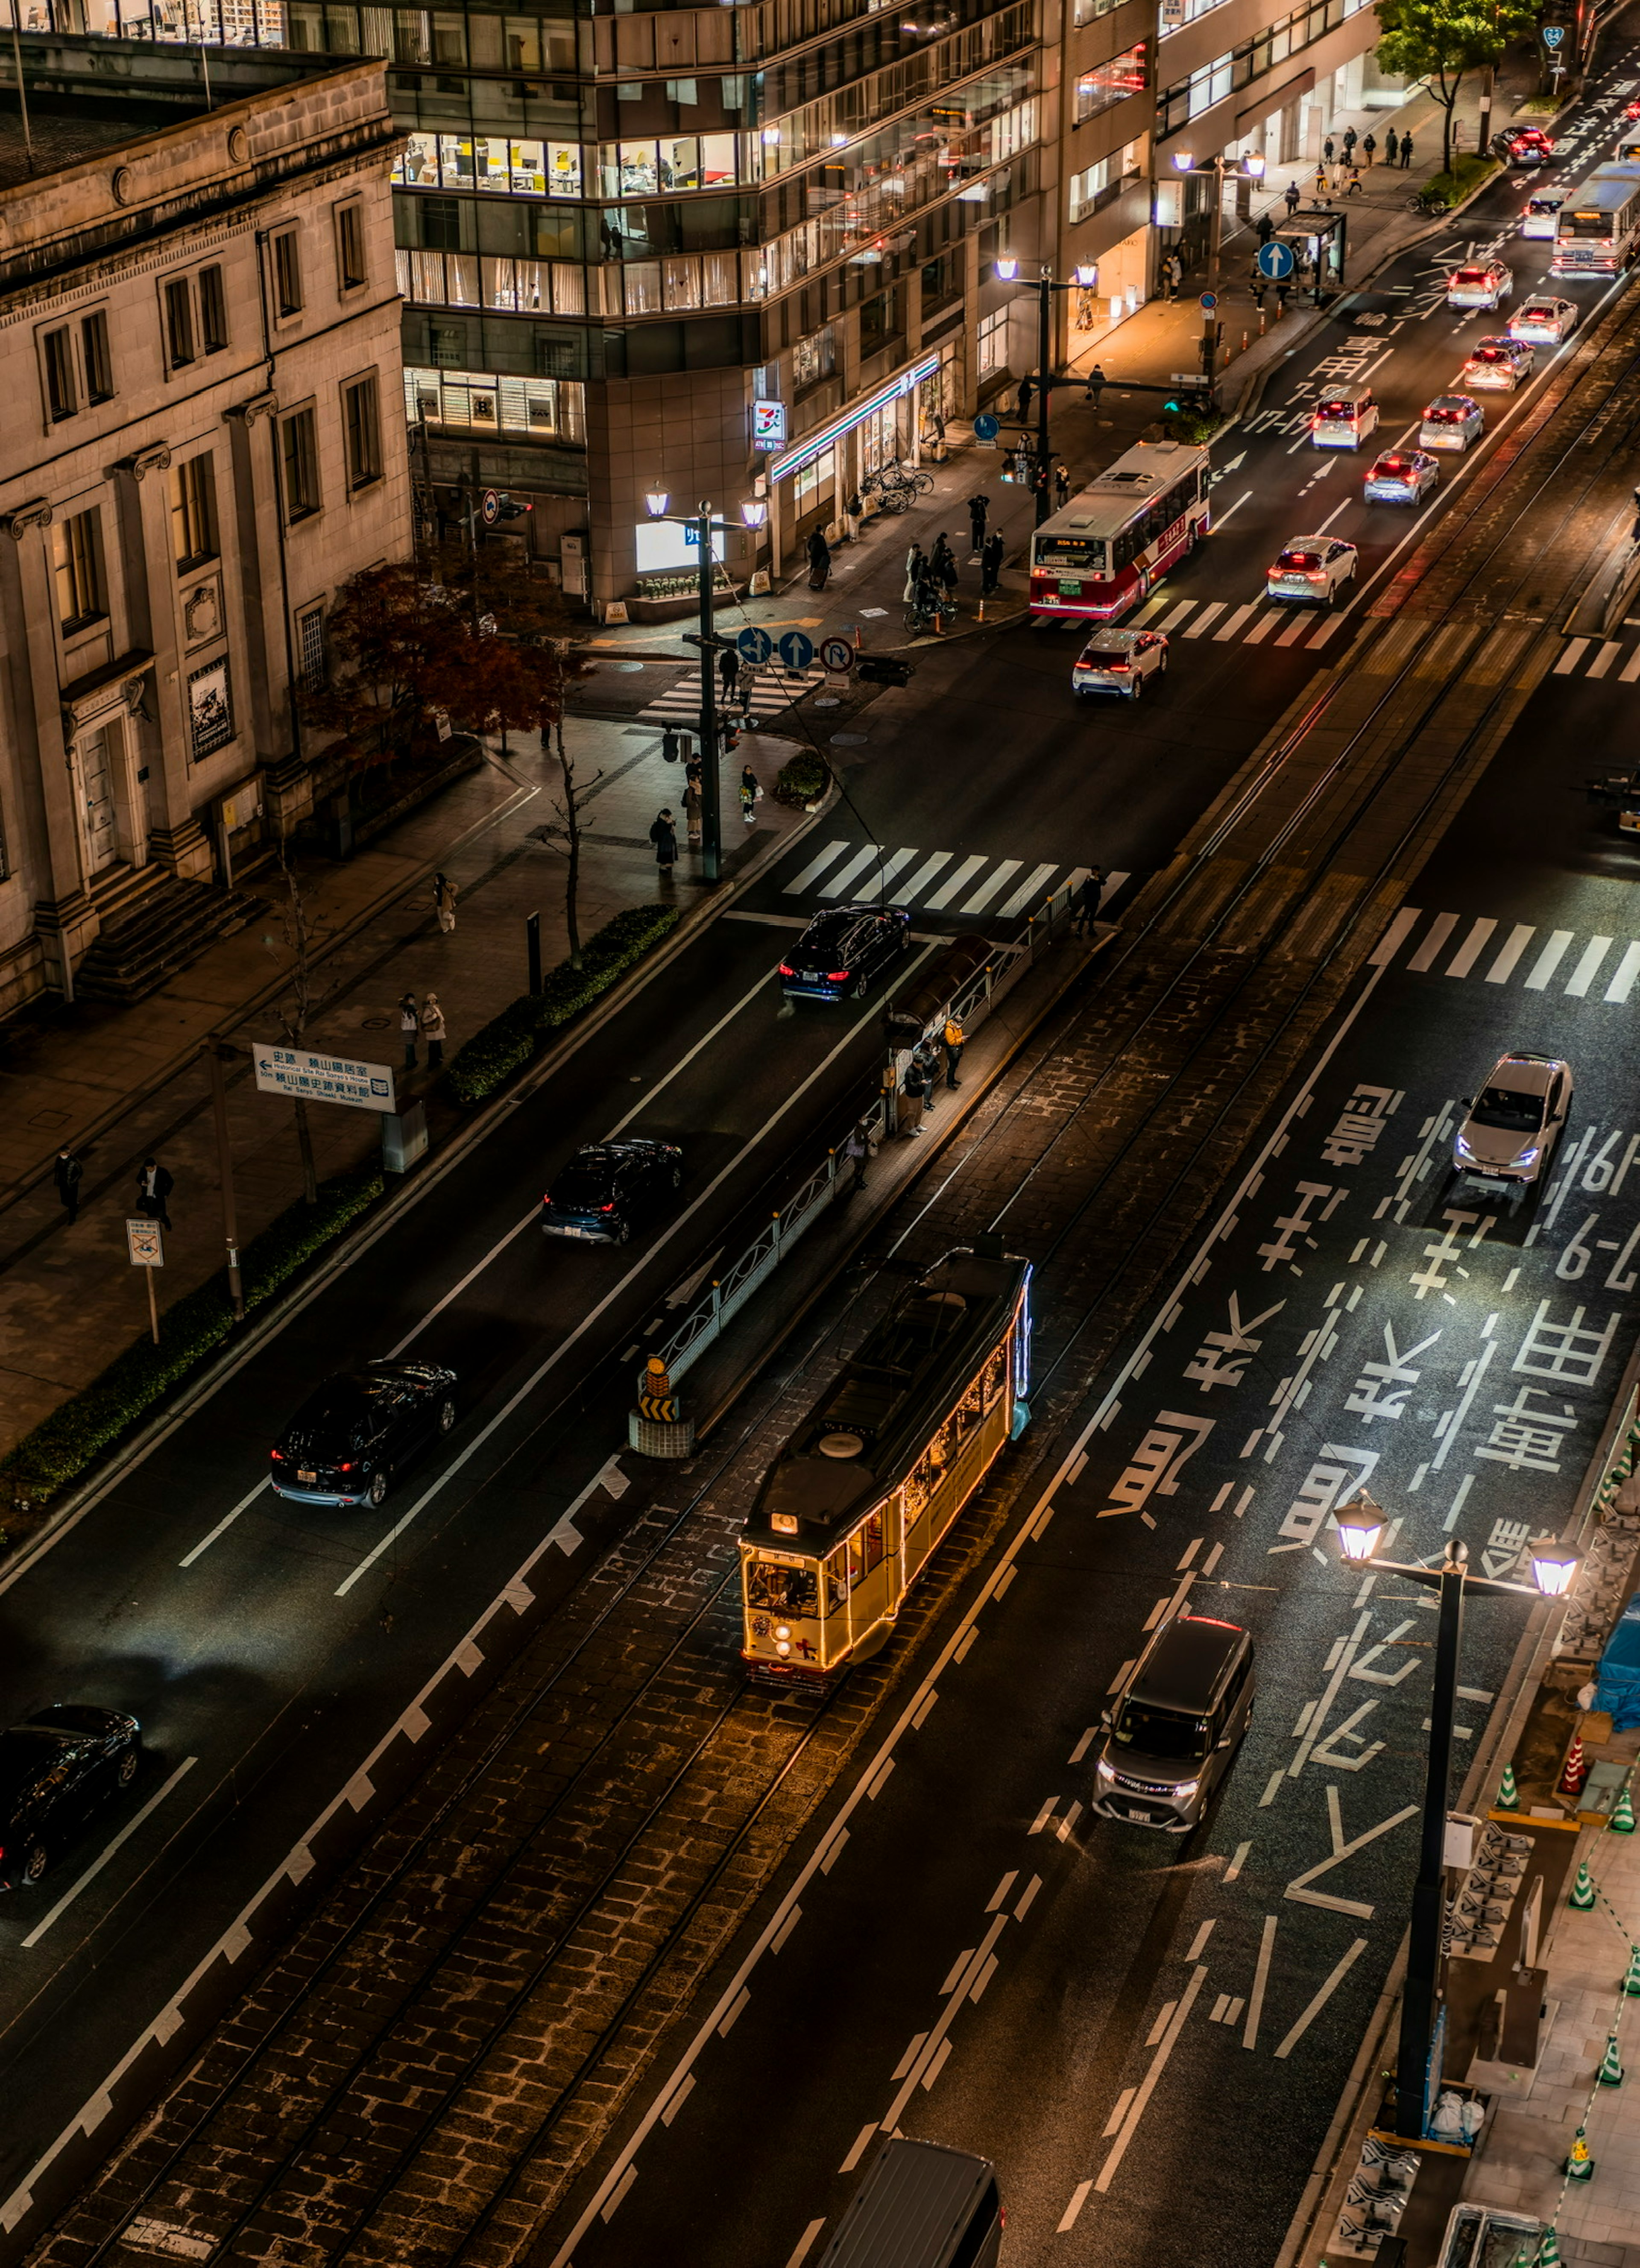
{"points": [[68, 1173], [1088, 896], [433, 1031], [691, 807], [664, 835], [1326, 151], [916, 567], [409, 1025], [945, 564], [1267, 228], [1026, 391], [820, 560], [154, 1186], [954, 1044], [1406, 151], [855, 1152], [751, 793], [1350, 138], [990, 566], [1369, 148], [444, 895], [978, 507], [1391, 145], [912, 1097], [1292, 194], [1061, 484], [1095, 386], [728, 669]]}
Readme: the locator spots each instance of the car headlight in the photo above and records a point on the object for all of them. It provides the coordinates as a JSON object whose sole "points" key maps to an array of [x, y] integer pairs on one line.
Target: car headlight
{"points": [[1105, 1770], [1528, 1157], [1463, 1150], [1187, 1788]]}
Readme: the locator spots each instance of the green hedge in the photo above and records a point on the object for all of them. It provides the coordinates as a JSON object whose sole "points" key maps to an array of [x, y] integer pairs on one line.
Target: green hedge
{"points": [[62, 1447], [1469, 173], [804, 780], [510, 1040]]}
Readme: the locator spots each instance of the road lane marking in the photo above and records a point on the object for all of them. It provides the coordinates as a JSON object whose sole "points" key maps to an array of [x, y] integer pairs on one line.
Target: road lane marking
{"points": [[1627, 969], [1395, 936], [954, 884], [227, 1522], [1028, 890], [1262, 628], [1260, 1978], [1321, 1998], [1603, 659], [1207, 615], [1004, 873], [1172, 621], [1632, 671], [1147, 2085], [1202, 1936], [1464, 960], [1078, 2196], [107, 1852], [1504, 967], [862, 2143], [1232, 623], [842, 881], [1299, 1891], [1233, 1870], [1548, 961], [1440, 929], [925, 874], [1569, 659], [1593, 954], [1294, 632], [1219, 518], [616, 1291], [816, 867], [805, 2243]]}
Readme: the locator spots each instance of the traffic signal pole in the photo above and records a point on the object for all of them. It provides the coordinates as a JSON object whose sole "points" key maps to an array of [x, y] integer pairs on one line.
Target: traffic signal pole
{"points": [[711, 813], [1045, 367]]}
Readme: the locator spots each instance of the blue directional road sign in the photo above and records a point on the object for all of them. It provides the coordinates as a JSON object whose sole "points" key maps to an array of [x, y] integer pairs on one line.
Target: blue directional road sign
{"points": [[755, 646], [1552, 35], [1273, 260], [796, 651], [985, 428]]}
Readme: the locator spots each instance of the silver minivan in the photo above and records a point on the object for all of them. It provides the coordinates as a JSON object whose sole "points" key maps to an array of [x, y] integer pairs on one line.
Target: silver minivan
{"points": [[1344, 417], [1171, 1732]]}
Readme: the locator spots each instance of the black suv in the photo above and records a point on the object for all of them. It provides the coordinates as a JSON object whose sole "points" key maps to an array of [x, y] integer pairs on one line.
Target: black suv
{"points": [[609, 1189], [353, 1433], [842, 949], [55, 1771]]}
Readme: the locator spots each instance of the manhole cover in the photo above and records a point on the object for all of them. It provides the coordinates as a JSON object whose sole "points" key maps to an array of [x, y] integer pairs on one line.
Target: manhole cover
{"points": [[375, 1023], [848, 740], [625, 668], [827, 701]]}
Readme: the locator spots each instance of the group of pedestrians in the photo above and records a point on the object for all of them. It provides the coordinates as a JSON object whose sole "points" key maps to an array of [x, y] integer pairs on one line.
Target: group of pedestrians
{"points": [[921, 1078], [154, 1185], [930, 584], [427, 1023], [664, 831]]}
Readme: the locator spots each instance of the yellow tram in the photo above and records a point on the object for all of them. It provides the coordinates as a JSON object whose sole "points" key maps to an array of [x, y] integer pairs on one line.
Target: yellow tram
{"points": [[863, 1491]]}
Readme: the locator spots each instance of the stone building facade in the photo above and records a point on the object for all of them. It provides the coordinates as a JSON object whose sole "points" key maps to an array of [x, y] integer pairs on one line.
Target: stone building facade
{"points": [[199, 354]]}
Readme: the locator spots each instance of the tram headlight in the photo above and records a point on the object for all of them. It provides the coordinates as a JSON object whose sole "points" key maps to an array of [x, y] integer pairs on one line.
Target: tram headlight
{"points": [[783, 1629], [782, 1645]]}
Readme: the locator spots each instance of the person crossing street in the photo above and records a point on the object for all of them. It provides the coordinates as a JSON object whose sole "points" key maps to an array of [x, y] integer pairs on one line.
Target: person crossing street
{"points": [[992, 566], [978, 507]]}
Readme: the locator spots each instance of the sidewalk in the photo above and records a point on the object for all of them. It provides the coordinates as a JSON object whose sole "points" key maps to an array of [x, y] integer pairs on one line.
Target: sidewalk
{"points": [[115, 1084]]}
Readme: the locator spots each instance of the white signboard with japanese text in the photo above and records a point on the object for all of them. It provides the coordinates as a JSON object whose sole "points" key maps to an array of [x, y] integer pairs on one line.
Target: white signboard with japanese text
{"points": [[306, 1077], [144, 1244]]}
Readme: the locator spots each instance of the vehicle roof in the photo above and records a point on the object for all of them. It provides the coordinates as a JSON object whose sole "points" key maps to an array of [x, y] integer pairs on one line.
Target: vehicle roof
{"points": [[1353, 390], [1111, 498], [1606, 190], [908, 1370], [1454, 402], [25, 1752], [1185, 1664], [1528, 1074], [1540, 300], [601, 1154], [912, 2209], [1309, 543], [1110, 640]]}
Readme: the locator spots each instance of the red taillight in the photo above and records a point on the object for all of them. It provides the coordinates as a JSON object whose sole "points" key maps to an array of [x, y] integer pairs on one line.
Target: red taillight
{"points": [[278, 1456], [836, 977], [346, 1468], [786, 969], [608, 1208], [1115, 669]]}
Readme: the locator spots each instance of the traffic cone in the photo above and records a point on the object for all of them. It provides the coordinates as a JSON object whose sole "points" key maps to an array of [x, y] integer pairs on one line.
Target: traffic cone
{"points": [[1507, 1799], [1611, 2071], [1576, 1770], [1622, 1819], [1631, 1982], [1548, 2251], [1579, 2166], [1581, 1898]]}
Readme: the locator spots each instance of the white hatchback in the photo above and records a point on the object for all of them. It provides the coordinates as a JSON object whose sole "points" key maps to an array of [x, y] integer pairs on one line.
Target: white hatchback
{"points": [[1119, 661], [1480, 283], [1311, 571]]}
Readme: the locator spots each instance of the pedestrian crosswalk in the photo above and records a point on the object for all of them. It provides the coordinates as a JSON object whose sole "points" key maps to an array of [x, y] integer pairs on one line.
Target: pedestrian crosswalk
{"points": [[937, 881], [1592, 657], [771, 690], [1223, 623], [1486, 951]]}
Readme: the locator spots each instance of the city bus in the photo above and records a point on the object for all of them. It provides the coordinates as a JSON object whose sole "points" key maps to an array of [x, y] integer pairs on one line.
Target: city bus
{"points": [[854, 1505], [1102, 554], [1597, 231]]}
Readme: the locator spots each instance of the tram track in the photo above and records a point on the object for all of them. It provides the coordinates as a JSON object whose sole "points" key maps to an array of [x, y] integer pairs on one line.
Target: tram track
{"points": [[238, 2154]]}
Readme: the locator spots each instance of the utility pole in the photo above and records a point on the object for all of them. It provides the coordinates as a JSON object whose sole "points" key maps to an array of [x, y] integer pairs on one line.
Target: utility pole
{"points": [[1045, 368], [711, 811], [216, 1049]]}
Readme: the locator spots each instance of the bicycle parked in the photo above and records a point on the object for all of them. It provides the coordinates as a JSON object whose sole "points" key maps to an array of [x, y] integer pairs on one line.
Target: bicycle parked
{"points": [[931, 613]]}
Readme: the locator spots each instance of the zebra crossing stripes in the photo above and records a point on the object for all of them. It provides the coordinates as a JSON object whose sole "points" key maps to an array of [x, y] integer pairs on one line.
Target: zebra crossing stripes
{"points": [[1453, 946], [937, 881], [1226, 624], [1598, 658], [772, 690]]}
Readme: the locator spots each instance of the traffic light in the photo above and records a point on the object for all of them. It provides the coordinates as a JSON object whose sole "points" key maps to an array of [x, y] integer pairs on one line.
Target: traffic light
{"points": [[883, 669], [506, 509]]}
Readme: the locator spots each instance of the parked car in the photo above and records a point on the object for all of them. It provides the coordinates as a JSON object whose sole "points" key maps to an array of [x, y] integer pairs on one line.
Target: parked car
{"points": [[609, 1189], [1400, 476], [360, 1427], [843, 950], [1451, 422], [1480, 283], [1119, 661], [58, 1769], [1523, 145]]}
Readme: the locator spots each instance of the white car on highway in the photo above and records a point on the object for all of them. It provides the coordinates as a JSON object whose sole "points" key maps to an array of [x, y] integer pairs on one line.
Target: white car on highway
{"points": [[1503, 1145], [1496, 366], [1312, 570], [1119, 661], [1544, 321], [1480, 283], [1400, 476], [1542, 215], [1451, 422]]}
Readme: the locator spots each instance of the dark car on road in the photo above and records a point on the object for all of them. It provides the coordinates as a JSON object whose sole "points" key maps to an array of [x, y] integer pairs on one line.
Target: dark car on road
{"points": [[55, 1771], [1523, 145], [842, 950], [356, 1431], [609, 1189]]}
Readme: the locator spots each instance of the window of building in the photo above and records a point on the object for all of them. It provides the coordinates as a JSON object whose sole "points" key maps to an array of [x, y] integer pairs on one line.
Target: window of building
{"points": [[62, 394], [179, 323], [362, 422], [1113, 82], [814, 357], [550, 409], [1100, 184], [943, 280], [213, 311], [287, 274], [310, 648], [811, 481], [880, 321], [993, 343], [99, 363], [193, 512], [210, 707], [350, 246], [299, 456], [79, 544]]}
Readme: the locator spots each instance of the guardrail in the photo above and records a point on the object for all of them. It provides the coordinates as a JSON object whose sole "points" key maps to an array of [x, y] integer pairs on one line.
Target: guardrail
{"points": [[970, 1003]]}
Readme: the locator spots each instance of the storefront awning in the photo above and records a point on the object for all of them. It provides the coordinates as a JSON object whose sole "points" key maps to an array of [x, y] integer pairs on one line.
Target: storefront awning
{"points": [[815, 444]]}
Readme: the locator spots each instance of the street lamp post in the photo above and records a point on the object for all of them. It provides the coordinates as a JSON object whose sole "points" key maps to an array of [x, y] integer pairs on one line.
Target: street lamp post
{"points": [[1360, 1531], [1253, 167], [1086, 275], [752, 514]]}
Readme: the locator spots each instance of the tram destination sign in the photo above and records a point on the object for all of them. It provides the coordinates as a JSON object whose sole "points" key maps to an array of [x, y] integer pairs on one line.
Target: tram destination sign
{"points": [[308, 1076]]}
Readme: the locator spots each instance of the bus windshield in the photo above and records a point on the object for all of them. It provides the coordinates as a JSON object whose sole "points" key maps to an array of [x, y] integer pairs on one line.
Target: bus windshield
{"points": [[781, 1590], [1587, 223], [1070, 551]]}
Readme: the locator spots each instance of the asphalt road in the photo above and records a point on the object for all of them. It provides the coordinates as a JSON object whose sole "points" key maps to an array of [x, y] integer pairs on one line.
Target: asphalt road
{"points": [[267, 1647]]}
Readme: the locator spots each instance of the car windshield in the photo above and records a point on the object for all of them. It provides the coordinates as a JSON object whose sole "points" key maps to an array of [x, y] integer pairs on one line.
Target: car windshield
{"points": [[1489, 354], [1444, 413], [1160, 1733], [825, 936], [1585, 224], [1536, 310], [25, 1752], [581, 1184], [1336, 409], [343, 1403], [1300, 559], [1392, 466], [1540, 206], [1507, 1106]]}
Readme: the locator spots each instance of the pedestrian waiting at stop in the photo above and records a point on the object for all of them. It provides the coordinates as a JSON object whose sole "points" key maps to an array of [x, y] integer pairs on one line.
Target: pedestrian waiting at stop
{"points": [[955, 1040], [1392, 147], [820, 560], [856, 1150], [1292, 194], [1061, 484], [1406, 151], [1089, 892], [913, 1097], [409, 1028], [728, 669], [1327, 149], [1267, 228], [664, 835], [916, 567], [1369, 147], [992, 566], [433, 1031]]}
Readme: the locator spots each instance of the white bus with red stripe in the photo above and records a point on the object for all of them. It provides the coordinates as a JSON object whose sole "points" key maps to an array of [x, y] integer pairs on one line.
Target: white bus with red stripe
{"points": [[1105, 551]]}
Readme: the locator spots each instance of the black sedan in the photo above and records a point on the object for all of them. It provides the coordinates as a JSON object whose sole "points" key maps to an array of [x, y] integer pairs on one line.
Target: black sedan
{"points": [[356, 1431], [609, 1189], [842, 949], [55, 1771]]}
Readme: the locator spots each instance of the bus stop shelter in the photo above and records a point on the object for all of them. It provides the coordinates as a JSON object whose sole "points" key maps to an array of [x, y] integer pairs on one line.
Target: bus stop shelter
{"points": [[1316, 237]]}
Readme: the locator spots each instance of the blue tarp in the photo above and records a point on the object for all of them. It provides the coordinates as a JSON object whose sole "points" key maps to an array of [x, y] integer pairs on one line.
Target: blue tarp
{"points": [[1618, 1673]]}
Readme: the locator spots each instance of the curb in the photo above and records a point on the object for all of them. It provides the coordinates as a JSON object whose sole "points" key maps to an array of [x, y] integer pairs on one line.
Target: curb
{"points": [[358, 1238]]}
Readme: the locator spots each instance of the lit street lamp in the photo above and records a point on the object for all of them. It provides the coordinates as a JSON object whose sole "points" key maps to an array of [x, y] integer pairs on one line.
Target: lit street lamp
{"points": [[1007, 269], [1360, 1525], [1253, 168], [754, 513]]}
